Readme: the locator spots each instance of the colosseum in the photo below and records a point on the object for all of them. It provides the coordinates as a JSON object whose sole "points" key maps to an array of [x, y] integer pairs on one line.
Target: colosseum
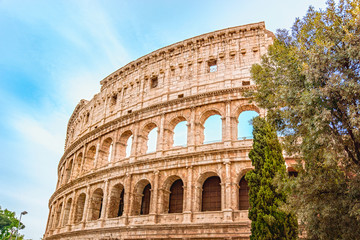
{"points": [[113, 184]]}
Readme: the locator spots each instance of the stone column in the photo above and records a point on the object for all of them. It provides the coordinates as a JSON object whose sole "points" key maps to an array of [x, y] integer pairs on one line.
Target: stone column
{"points": [[105, 202], [81, 170], [72, 209], [97, 154], [228, 211], [161, 138], [86, 206], [227, 131], [154, 194], [127, 195], [188, 196], [191, 139]]}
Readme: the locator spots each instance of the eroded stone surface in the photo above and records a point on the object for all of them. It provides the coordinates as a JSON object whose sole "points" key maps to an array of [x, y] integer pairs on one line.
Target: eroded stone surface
{"points": [[187, 81]]}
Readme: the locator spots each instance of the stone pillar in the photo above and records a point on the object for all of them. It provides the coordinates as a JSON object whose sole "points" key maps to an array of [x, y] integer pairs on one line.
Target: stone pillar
{"points": [[188, 196], [135, 143], [72, 175], [127, 195], [154, 193], [81, 170], [160, 138], [191, 139], [228, 211], [227, 131], [97, 154], [106, 197], [72, 210], [86, 206]]}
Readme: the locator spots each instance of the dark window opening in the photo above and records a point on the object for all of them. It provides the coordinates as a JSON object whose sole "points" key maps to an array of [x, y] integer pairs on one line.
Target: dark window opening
{"points": [[243, 195], [180, 95], [121, 204], [212, 66], [176, 197], [113, 100], [245, 83], [154, 82], [129, 111], [145, 201], [211, 195]]}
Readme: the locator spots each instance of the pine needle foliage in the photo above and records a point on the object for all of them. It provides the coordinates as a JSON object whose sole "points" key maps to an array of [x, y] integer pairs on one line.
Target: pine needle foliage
{"points": [[268, 220]]}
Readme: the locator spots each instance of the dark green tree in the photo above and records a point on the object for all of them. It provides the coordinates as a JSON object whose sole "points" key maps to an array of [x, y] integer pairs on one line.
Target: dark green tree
{"points": [[9, 224], [268, 220], [309, 82]]}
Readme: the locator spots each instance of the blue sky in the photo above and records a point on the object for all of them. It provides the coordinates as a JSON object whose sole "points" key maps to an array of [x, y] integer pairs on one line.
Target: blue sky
{"points": [[54, 53]]}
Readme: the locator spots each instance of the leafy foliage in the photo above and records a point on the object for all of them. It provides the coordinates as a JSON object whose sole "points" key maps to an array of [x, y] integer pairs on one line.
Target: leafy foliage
{"points": [[310, 84], [268, 220], [9, 224]]}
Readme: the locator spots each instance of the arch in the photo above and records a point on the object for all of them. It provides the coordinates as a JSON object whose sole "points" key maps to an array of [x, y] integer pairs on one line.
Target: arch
{"points": [[244, 125], [166, 192], [176, 197], [176, 132], [246, 107], [124, 149], [58, 214], [89, 159], [116, 204], [80, 204], [68, 171], [96, 204], [139, 204], [105, 152], [180, 134], [67, 212], [151, 131], [77, 167], [145, 202], [243, 194], [212, 124], [211, 194]]}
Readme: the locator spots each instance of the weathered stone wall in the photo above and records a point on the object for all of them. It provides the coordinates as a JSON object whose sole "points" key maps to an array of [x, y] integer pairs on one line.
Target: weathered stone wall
{"points": [[187, 81]]}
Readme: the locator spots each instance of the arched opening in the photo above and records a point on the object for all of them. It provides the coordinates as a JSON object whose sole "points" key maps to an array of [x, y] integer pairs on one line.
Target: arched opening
{"points": [[80, 203], [96, 204], [124, 149], [128, 146], [78, 161], [67, 212], [58, 214], [211, 194], [245, 127], [243, 194], [105, 152], [145, 201], [180, 134], [116, 205], [176, 197], [68, 171], [89, 159], [152, 140], [213, 129]]}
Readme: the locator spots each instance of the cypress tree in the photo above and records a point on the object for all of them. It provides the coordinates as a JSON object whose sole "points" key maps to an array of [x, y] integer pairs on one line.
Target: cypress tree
{"points": [[268, 220]]}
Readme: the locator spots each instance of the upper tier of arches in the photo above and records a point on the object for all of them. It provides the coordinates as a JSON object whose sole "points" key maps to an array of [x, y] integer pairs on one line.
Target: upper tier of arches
{"points": [[199, 126]]}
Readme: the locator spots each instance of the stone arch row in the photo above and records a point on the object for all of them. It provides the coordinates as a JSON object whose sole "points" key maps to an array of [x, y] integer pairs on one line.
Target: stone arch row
{"points": [[89, 205], [133, 140]]}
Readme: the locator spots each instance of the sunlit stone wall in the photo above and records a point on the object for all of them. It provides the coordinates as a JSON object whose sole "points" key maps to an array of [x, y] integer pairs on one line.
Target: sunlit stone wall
{"points": [[122, 176]]}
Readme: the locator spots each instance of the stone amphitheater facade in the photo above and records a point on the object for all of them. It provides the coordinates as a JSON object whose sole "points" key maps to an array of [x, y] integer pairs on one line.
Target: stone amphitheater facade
{"points": [[194, 191]]}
